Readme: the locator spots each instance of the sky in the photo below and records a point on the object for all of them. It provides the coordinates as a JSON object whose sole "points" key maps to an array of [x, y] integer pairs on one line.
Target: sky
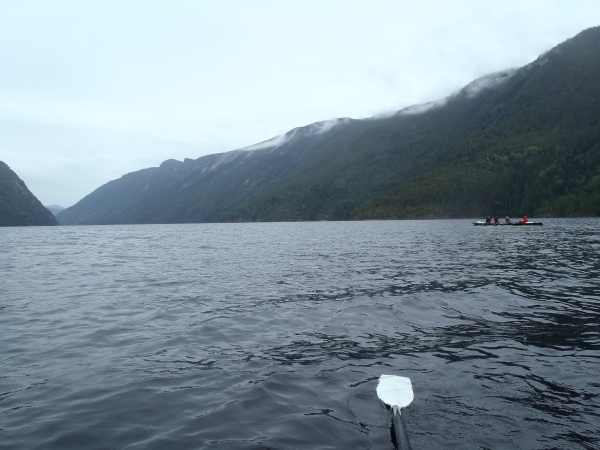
{"points": [[92, 90]]}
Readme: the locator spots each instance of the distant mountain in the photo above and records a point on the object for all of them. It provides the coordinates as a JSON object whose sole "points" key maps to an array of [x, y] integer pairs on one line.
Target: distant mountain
{"points": [[55, 209], [18, 206], [524, 141]]}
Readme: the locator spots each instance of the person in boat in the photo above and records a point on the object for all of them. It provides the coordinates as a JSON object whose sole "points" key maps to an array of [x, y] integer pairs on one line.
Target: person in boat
{"points": [[496, 221], [524, 221], [507, 220], [488, 220]]}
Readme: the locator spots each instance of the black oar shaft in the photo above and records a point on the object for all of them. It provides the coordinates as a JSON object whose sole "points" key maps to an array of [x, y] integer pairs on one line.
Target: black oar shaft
{"points": [[402, 442]]}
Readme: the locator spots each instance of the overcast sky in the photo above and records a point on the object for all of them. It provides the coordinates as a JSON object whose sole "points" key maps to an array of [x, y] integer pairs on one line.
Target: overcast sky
{"points": [[91, 90]]}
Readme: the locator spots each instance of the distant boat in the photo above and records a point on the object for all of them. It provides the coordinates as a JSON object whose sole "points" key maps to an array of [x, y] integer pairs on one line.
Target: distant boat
{"points": [[512, 223]]}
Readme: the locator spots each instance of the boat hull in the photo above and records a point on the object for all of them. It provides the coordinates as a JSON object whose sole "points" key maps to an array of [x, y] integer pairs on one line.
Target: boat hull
{"points": [[515, 224]]}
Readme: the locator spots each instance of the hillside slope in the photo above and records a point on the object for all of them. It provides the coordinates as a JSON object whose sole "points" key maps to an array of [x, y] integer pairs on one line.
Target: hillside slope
{"points": [[18, 206], [531, 146], [519, 142]]}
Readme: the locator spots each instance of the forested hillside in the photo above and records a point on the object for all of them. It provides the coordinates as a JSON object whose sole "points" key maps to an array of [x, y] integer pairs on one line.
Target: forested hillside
{"points": [[529, 147], [18, 206], [524, 141]]}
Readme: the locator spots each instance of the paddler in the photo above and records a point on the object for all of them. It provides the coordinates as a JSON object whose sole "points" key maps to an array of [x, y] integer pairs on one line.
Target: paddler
{"points": [[507, 220], [496, 221], [524, 221], [488, 220]]}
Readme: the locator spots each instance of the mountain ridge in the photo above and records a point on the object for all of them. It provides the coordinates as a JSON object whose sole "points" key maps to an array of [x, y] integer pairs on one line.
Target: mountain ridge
{"points": [[520, 141], [18, 206]]}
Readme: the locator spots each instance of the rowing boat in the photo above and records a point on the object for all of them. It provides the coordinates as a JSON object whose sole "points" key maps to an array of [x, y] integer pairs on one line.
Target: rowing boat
{"points": [[517, 224]]}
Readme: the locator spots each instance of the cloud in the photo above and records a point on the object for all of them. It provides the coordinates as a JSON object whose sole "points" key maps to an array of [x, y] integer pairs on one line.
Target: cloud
{"points": [[423, 108], [312, 129], [273, 142], [486, 82], [326, 125], [471, 90]]}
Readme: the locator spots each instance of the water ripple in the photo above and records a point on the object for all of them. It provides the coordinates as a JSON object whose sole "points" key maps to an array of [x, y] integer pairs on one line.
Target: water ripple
{"points": [[255, 336]]}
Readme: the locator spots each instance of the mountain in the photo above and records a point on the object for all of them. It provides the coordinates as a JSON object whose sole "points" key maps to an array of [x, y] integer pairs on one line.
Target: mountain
{"points": [[524, 141], [55, 209], [18, 206]]}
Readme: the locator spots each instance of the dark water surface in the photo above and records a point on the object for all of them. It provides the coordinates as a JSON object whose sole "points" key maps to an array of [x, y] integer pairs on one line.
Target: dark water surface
{"points": [[255, 336]]}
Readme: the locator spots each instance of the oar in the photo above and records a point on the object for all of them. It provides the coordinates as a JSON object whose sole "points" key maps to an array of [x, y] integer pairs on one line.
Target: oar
{"points": [[397, 393]]}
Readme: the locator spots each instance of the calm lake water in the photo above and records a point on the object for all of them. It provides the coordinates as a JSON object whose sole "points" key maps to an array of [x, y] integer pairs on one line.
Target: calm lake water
{"points": [[256, 336]]}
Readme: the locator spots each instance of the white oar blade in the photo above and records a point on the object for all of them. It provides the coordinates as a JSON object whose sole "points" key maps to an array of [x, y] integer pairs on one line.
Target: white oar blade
{"points": [[395, 391]]}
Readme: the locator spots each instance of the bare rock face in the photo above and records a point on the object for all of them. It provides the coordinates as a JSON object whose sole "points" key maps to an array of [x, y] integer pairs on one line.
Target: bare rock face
{"points": [[18, 206]]}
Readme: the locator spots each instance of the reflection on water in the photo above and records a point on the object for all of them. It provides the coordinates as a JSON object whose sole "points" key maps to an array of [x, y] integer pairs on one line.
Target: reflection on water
{"points": [[228, 336]]}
